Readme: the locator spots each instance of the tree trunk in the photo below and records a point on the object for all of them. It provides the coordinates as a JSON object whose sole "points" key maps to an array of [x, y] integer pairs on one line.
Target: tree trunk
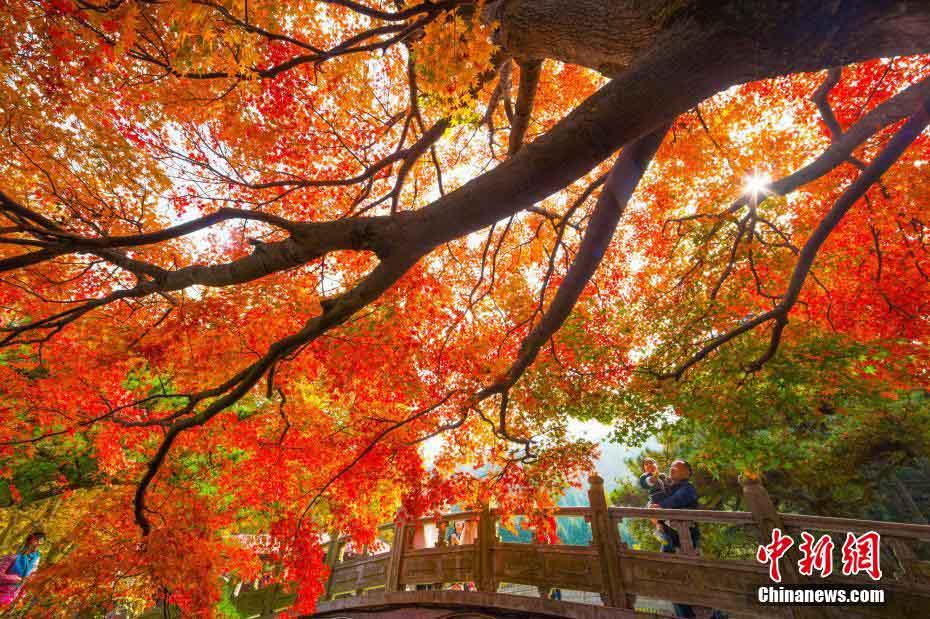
{"points": [[689, 61], [595, 33], [907, 500], [610, 35]]}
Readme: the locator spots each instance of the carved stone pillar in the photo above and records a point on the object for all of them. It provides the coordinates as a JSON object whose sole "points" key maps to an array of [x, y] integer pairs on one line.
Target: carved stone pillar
{"points": [[606, 539], [484, 561], [767, 518], [392, 582], [332, 557], [683, 528]]}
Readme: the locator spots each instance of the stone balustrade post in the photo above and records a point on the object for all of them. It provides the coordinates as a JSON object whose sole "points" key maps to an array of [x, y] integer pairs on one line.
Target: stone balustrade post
{"points": [[767, 518], [683, 528], [395, 561], [606, 539], [910, 568], [484, 561], [332, 557]]}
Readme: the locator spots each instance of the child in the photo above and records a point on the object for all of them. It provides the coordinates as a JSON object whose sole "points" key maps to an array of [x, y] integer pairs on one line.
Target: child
{"points": [[657, 484], [458, 533]]}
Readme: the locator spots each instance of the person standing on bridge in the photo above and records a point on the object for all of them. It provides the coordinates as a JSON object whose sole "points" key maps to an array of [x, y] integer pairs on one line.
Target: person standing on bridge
{"points": [[679, 494]]}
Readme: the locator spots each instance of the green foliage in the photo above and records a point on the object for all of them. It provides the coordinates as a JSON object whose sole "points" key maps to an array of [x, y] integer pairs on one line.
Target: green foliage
{"points": [[825, 422], [227, 608], [572, 530], [49, 470]]}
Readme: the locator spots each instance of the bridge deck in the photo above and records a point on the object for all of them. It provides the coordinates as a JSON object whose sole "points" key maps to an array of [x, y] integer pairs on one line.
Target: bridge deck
{"points": [[464, 605]]}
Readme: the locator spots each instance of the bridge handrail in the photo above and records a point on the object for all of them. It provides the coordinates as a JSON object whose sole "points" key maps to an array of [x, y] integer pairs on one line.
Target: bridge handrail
{"points": [[566, 512], [694, 515], [449, 517], [920, 532], [364, 559], [912, 531]]}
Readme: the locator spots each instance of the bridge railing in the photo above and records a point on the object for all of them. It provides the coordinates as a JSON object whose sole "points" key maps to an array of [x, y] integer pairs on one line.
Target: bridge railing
{"points": [[607, 566]]}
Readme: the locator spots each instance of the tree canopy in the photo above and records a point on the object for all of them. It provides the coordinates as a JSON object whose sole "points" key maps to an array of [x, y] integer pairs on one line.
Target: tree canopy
{"points": [[254, 254]]}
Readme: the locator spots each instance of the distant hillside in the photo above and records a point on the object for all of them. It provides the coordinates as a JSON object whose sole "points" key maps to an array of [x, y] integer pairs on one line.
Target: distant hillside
{"points": [[574, 531]]}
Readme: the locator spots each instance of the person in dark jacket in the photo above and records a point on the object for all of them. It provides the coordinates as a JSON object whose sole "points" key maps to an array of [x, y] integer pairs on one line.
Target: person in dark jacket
{"points": [[680, 494]]}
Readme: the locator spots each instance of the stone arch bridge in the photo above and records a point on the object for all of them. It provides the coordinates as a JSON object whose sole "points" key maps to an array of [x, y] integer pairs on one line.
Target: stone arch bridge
{"points": [[404, 581], [410, 577]]}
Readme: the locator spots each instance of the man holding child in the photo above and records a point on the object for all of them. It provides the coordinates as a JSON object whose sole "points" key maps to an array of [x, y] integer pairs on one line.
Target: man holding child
{"points": [[672, 491]]}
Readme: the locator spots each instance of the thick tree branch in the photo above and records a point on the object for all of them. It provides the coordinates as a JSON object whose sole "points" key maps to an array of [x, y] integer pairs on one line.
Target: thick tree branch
{"points": [[74, 243], [820, 99], [335, 312], [526, 94], [618, 189]]}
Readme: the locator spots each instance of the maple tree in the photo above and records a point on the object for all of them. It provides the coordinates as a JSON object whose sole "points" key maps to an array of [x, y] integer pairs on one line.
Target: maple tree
{"points": [[255, 254]]}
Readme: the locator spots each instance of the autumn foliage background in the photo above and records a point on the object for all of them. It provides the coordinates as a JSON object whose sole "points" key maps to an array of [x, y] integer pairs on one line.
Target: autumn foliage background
{"points": [[125, 119]]}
